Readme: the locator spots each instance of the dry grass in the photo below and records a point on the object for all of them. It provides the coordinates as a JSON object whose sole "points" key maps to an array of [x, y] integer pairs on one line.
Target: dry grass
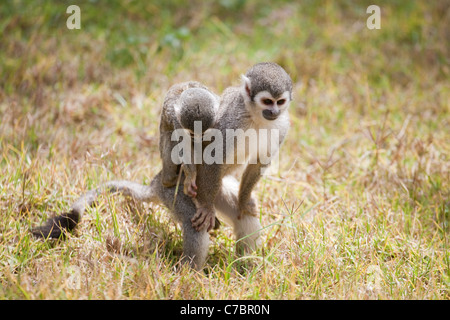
{"points": [[360, 209]]}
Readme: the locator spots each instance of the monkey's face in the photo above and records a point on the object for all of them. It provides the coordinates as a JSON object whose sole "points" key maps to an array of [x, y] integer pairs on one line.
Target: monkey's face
{"points": [[271, 107], [267, 91]]}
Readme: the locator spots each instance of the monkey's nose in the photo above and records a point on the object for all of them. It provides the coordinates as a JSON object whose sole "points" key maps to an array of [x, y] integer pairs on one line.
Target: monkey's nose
{"points": [[271, 114]]}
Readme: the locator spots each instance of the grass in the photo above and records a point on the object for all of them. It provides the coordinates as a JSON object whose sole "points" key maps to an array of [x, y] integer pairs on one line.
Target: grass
{"points": [[359, 210]]}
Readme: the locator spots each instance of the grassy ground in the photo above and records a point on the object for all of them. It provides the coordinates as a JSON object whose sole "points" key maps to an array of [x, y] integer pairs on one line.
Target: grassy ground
{"points": [[360, 209]]}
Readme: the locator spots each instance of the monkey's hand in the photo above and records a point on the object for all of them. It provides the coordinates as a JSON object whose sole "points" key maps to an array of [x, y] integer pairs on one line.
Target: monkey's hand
{"points": [[190, 187], [249, 208], [204, 219]]}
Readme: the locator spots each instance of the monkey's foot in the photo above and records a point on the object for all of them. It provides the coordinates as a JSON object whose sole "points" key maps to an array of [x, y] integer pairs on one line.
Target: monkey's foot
{"points": [[248, 208], [204, 219]]}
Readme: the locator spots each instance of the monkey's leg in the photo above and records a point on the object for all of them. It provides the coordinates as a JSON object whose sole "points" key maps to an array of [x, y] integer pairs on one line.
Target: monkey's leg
{"points": [[247, 228], [195, 243]]}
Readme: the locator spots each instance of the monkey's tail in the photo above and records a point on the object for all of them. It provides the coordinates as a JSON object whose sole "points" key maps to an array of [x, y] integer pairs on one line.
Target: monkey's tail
{"points": [[56, 227]]}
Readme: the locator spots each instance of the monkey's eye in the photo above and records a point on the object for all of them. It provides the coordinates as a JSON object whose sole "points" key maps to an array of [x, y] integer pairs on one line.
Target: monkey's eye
{"points": [[267, 102], [281, 102]]}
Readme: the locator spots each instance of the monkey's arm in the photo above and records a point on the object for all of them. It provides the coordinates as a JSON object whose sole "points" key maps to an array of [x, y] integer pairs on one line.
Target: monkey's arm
{"points": [[209, 182], [250, 177]]}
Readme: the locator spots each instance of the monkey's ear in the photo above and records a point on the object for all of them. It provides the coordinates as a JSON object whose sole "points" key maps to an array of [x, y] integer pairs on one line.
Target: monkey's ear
{"points": [[246, 86]]}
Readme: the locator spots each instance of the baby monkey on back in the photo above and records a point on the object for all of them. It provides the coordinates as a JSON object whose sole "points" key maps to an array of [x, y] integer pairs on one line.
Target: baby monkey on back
{"points": [[185, 104]]}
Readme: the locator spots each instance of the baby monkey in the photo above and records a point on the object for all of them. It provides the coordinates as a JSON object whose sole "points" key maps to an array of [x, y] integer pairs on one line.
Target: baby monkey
{"points": [[185, 104]]}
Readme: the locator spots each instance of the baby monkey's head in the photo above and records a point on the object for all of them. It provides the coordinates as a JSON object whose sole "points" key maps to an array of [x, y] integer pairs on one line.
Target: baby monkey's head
{"points": [[197, 104]]}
